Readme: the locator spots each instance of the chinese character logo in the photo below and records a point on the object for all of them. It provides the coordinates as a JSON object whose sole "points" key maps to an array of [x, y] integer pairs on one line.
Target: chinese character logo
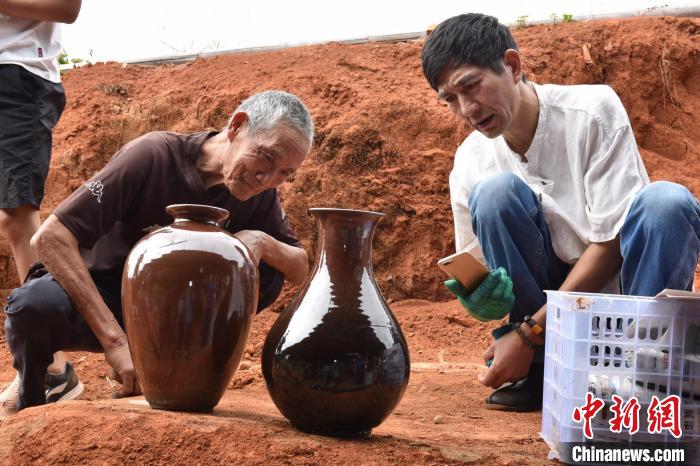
{"points": [[587, 412], [661, 415], [625, 415], [96, 188], [665, 415]]}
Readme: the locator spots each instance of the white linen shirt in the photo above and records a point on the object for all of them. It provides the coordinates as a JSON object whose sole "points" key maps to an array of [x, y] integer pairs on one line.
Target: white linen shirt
{"points": [[34, 45], [583, 164]]}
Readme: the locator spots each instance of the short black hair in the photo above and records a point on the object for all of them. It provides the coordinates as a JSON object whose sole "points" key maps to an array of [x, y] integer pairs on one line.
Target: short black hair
{"points": [[470, 39]]}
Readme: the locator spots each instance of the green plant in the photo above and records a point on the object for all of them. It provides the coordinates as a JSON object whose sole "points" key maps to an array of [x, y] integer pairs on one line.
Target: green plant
{"points": [[521, 21], [554, 17], [567, 18], [63, 58]]}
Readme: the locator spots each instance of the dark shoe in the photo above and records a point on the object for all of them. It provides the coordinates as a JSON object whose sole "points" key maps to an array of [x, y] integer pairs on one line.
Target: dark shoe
{"points": [[523, 396], [64, 386]]}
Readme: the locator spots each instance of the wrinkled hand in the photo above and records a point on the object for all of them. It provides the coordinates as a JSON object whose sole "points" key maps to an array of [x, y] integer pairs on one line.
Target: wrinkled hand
{"points": [[255, 241], [511, 360], [492, 300], [123, 371]]}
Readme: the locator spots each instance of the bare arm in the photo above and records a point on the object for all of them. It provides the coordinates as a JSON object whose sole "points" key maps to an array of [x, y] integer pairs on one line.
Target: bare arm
{"points": [[58, 249], [290, 260], [511, 357], [57, 11]]}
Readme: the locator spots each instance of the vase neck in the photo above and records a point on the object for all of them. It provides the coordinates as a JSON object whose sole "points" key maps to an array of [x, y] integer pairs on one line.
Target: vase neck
{"points": [[345, 237], [197, 213]]}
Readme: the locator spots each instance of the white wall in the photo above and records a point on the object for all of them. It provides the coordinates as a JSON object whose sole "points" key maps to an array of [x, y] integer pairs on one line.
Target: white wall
{"points": [[136, 29]]}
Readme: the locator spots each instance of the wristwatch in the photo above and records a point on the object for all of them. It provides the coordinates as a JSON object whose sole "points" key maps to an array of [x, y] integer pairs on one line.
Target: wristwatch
{"points": [[536, 328]]}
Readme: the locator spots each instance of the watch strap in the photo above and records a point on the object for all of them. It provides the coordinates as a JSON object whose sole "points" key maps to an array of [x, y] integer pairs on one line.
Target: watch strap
{"points": [[536, 328]]}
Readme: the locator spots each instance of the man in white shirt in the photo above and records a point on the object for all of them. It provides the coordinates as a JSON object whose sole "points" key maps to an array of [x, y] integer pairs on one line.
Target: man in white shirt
{"points": [[551, 193], [31, 102]]}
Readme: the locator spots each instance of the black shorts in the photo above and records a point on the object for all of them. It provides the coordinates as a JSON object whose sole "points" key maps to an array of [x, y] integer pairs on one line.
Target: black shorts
{"points": [[30, 106]]}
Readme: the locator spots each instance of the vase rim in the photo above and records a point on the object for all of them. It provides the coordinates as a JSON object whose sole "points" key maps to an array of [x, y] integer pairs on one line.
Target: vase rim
{"points": [[340, 210], [197, 212]]}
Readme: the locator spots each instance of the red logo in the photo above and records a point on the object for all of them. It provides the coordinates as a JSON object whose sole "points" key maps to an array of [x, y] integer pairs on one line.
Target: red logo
{"points": [[665, 415], [625, 415], [587, 412], [661, 415]]}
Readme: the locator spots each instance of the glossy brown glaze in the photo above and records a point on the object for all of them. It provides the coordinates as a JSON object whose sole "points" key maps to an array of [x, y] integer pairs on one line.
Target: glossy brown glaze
{"points": [[335, 361], [189, 293]]}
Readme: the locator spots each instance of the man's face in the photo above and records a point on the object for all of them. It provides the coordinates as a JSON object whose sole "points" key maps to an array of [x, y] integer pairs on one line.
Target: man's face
{"points": [[255, 162], [484, 99]]}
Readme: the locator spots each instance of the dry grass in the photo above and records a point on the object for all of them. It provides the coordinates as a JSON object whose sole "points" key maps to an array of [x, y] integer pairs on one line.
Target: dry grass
{"points": [[669, 88]]}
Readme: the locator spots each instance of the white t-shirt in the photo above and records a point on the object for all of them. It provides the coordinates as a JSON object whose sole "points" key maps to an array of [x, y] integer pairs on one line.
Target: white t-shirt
{"points": [[583, 164], [34, 45]]}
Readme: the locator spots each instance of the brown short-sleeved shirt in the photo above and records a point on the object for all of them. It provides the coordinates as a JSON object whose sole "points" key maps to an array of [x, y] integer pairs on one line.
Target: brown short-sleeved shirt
{"points": [[127, 199]]}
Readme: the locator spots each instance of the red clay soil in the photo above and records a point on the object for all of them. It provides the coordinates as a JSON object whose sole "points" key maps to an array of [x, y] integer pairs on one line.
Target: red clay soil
{"points": [[383, 143]]}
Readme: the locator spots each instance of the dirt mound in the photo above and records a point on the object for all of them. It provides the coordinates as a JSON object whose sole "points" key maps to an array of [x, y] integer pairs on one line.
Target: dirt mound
{"points": [[383, 142], [441, 419]]}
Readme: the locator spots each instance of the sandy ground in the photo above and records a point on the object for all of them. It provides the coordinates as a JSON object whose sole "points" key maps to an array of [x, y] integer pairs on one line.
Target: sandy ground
{"points": [[440, 420]]}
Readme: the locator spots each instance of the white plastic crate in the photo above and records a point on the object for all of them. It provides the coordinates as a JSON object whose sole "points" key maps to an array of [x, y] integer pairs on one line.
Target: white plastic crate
{"points": [[624, 345]]}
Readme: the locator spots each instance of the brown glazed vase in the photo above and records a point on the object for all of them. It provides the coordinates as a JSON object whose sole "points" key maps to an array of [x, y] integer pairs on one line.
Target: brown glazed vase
{"points": [[335, 361], [189, 293]]}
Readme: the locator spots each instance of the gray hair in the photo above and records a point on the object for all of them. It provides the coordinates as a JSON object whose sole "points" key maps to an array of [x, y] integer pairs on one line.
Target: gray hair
{"points": [[269, 109]]}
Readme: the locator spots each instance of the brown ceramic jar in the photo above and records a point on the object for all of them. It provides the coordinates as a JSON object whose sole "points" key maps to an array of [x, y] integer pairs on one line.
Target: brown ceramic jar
{"points": [[336, 361], [189, 293]]}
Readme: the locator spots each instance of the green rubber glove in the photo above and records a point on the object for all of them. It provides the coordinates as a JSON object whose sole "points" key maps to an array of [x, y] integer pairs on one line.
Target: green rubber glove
{"points": [[492, 300]]}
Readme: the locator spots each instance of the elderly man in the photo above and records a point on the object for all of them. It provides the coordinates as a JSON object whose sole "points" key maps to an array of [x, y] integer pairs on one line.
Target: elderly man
{"points": [[72, 298], [551, 189]]}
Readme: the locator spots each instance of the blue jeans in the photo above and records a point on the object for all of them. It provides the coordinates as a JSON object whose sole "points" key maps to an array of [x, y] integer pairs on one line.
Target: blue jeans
{"points": [[659, 240]]}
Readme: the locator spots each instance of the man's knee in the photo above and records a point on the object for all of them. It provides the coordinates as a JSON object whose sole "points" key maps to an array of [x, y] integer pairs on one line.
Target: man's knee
{"points": [[33, 307], [663, 203], [6, 223], [497, 193], [19, 222]]}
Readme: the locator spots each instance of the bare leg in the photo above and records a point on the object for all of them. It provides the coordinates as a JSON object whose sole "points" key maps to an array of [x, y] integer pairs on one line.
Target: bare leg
{"points": [[58, 366], [18, 226]]}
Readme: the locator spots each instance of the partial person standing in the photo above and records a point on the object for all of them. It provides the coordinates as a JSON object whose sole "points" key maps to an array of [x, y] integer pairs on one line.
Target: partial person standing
{"points": [[31, 102]]}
